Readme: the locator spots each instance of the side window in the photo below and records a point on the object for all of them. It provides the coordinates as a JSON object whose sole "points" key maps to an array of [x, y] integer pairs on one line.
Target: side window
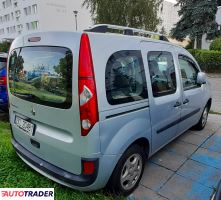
{"points": [[188, 72], [125, 78], [162, 73]]}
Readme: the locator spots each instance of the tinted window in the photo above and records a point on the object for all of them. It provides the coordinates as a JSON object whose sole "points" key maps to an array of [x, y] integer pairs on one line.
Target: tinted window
{"points": [[42, 75], [188, 72], [125, 77], [162, 73]]}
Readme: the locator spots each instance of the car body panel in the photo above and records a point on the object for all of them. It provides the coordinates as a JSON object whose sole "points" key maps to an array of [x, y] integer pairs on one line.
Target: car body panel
{"points": [[59, 131]]}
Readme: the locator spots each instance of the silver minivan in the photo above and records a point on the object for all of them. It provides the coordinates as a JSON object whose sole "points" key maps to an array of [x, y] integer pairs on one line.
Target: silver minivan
{"points": [[87, 108]]}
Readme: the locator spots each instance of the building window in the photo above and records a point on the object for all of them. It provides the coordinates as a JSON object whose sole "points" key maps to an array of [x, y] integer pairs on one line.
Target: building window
{"points": [[7, 3], [20, 27], [11, 29], [17, 13], [2, 31], [6, 18], [219, 2], [34, 8], [27, 10], [4, 4], [32, 25]]}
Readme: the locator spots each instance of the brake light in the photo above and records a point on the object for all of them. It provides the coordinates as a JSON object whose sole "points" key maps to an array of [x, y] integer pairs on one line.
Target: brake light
{"points": [[3, 80], [87, 87]]}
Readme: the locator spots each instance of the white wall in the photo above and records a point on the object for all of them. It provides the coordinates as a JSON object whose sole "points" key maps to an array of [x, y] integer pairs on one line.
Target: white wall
{"points": [[169, 16], [58, 15], [53, 15]]}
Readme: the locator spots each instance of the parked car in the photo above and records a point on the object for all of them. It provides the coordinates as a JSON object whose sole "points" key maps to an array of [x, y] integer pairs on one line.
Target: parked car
{"points": [[3, 82], [122, 98]]}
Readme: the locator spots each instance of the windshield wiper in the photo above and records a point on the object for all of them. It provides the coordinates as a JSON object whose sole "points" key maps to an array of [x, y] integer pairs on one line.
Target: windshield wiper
{"points": [[26, 95]]}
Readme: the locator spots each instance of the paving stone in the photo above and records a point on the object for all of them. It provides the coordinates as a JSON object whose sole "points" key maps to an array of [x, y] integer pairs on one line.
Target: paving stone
{"points": [[218, 132], [213, 122], [214, 119], [181, 148], [213, 143], [180, 188], [143, 193], [205, 132], [169, 160], [192, 138], [207, 157], [154, 176], [206, 175]]}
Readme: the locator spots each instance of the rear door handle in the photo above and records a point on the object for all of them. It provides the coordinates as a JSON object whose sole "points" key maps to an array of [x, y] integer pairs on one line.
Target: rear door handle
{"points": [[177, 104], [186, 101]]}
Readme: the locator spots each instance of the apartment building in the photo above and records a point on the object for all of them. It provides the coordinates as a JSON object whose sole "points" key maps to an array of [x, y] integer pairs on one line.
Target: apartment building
{"points": [[168, 13], [23, 16]]}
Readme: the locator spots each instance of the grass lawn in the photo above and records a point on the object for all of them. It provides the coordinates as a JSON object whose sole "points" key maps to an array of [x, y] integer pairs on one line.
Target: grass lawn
{"points": [[16, 174]]}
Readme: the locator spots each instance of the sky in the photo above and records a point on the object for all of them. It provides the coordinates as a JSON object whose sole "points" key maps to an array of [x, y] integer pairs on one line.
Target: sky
{"points": [[173, 1]]}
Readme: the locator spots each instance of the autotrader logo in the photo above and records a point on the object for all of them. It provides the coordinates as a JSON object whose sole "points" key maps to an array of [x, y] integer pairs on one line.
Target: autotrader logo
{"points": [[26, 193]]}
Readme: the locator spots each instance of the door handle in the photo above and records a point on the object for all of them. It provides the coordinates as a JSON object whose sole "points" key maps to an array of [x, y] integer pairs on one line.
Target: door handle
{"points": [[177, 104], [186, 101]]}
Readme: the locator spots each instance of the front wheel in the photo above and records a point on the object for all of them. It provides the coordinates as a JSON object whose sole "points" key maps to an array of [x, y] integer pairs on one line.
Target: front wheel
{"points": [[128, 172], [203, 120]]}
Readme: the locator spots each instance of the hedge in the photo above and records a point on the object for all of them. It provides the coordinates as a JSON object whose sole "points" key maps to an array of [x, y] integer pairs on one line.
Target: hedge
{"points": [[216, 44], [209, 60]]}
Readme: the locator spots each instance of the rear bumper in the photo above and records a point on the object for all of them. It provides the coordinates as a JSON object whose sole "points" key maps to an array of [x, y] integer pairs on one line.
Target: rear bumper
{"points": [[53, 172]]}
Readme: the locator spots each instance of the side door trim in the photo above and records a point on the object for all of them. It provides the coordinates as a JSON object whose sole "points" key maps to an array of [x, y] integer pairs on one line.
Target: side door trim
{"points": [[178, 121]]}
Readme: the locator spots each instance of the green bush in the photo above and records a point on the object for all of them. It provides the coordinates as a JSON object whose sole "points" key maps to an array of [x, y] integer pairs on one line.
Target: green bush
{"points": [[216, 44], [4, 47], [209, 60]]}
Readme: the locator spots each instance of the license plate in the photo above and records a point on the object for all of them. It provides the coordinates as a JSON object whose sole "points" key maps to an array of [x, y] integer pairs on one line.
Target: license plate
{"points": [[27, 127]]}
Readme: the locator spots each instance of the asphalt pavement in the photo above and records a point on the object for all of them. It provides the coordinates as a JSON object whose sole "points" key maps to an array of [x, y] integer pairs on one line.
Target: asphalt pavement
{"points": [[215, 80]]}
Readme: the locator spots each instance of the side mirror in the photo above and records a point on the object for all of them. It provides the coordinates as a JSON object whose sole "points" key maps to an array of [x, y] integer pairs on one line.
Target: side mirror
{"points": [[201, 78]]}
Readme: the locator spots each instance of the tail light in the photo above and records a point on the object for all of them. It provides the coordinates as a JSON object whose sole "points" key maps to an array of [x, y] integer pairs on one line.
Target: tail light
{"points": [[87, 87], [3, 80]]}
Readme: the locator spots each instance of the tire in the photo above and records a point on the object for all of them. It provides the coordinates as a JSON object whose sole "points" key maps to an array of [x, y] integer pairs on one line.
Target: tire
{"points": [[203, 119], [131, 165]]}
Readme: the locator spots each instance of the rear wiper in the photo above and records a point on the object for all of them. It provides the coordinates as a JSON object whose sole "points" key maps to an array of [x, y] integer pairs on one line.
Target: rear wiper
{"points": [[26, 95]]}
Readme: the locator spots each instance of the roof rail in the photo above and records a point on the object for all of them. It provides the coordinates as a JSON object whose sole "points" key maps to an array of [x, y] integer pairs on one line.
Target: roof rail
{"points": [[104, 28]]}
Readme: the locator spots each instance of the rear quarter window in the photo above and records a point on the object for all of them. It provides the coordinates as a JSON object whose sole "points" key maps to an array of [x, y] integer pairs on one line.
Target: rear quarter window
{"points": [[125, 78]]}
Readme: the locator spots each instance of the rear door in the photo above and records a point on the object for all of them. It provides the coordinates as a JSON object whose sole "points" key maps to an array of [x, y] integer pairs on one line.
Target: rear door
{"points": [[164, 91], [43, 85]]}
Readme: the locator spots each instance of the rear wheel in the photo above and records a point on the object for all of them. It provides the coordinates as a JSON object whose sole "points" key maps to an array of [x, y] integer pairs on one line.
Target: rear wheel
{"points": [[128, 172], [203, 120]]}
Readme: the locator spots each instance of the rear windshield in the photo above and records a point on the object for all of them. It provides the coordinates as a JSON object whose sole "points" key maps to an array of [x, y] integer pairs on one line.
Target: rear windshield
{"points": [[42, 75]]}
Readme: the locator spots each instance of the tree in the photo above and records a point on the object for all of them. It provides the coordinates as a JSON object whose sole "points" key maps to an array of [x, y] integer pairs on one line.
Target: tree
{"points": [[4, 46], [133, 13], [197, 17], [163, 31]]}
